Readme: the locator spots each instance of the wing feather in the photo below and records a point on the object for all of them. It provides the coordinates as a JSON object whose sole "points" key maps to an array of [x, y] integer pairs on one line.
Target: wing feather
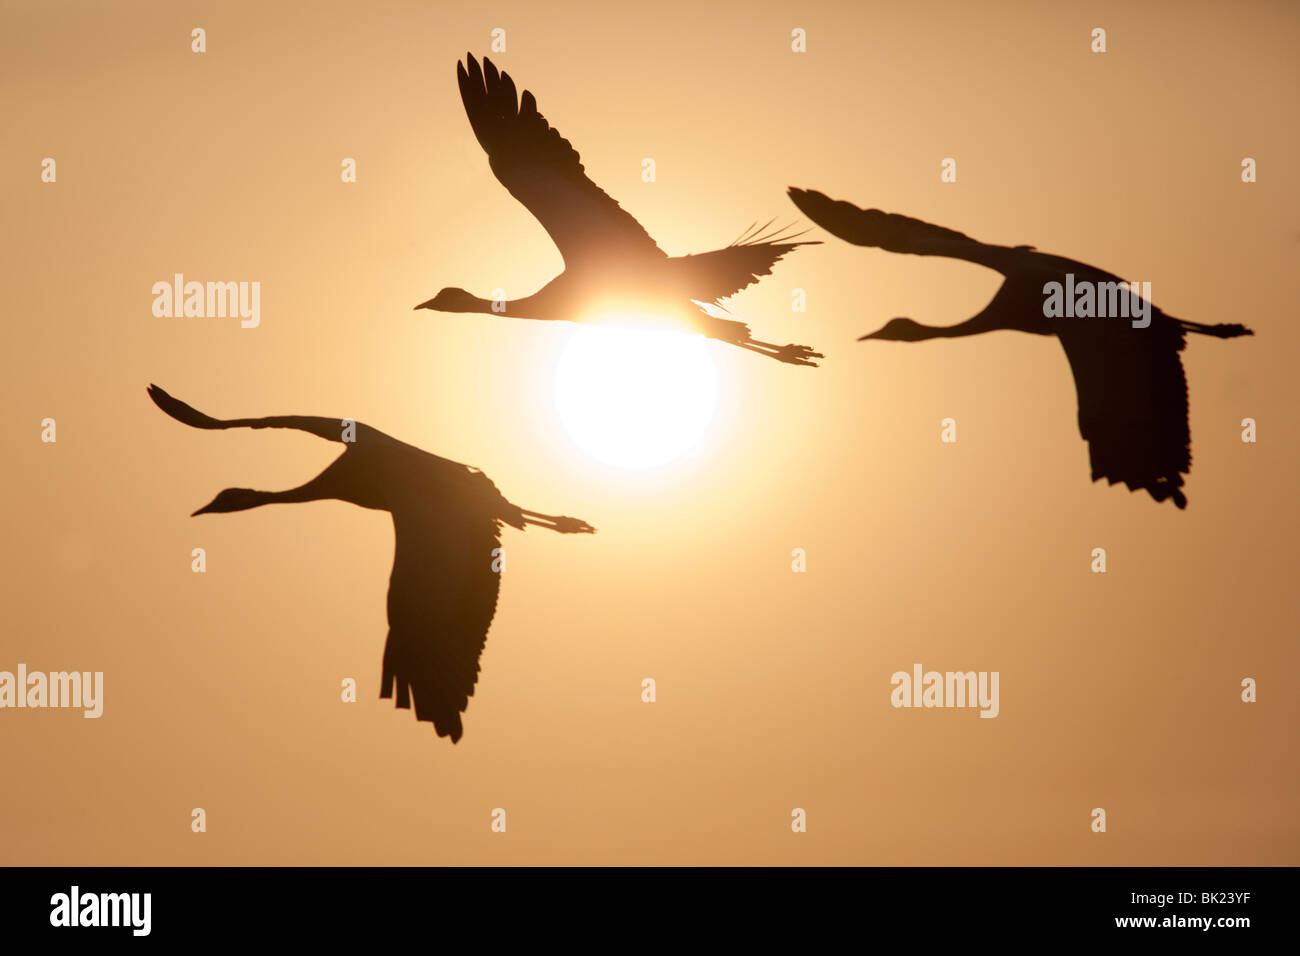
{"points": [[870, 227], [1132, 393], [543, 171], [441, 600]]}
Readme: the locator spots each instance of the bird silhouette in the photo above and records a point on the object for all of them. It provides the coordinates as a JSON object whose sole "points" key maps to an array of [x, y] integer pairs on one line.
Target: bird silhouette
{"points": [[1131, 388], [447, 522], [611, 265]]}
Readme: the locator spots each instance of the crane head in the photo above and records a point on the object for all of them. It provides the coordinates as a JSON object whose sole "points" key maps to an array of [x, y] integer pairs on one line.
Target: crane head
{"points": [[232, 499], [452, 300], [899, 330]]}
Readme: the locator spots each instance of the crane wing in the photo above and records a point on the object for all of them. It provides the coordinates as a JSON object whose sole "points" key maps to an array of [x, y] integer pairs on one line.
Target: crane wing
{"points": [[897, 233], [1132, 395], [870, 227], [544, 172], [441, 600], [358, 434]]}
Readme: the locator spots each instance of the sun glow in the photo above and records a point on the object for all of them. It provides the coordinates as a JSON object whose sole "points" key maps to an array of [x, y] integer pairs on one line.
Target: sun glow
{"points": [[636, 397]]}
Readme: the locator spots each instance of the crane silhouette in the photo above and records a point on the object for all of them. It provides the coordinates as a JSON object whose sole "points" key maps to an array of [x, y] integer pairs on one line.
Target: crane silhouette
{"points": [[447, 522], [1131, 388], [611, 265]]}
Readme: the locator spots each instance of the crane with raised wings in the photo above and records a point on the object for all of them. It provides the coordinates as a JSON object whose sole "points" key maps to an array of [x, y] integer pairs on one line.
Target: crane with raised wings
{"points": [[611, 265]]}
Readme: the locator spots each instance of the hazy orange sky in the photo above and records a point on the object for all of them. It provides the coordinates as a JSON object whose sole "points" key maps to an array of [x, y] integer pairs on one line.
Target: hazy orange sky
{"points": [[1119, 691]]}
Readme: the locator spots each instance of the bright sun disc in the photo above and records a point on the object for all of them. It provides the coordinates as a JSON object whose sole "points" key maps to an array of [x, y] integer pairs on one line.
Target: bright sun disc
{"points": [[636, 398]]}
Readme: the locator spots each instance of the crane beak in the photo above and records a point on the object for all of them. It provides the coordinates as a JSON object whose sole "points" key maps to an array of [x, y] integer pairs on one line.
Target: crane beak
{"points": [[425, 305]]}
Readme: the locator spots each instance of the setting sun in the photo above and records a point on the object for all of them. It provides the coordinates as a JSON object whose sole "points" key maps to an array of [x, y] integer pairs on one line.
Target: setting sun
{"points": [[636, 398]]}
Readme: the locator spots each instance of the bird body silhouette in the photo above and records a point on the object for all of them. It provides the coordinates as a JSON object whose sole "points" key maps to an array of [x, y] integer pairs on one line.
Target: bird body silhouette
{"points": [[1131, 387], [612, 266], [447, 521]]}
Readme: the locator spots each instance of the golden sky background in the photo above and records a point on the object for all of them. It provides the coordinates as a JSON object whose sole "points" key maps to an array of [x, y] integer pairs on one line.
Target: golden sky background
{"points": [[1119, 691]]}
